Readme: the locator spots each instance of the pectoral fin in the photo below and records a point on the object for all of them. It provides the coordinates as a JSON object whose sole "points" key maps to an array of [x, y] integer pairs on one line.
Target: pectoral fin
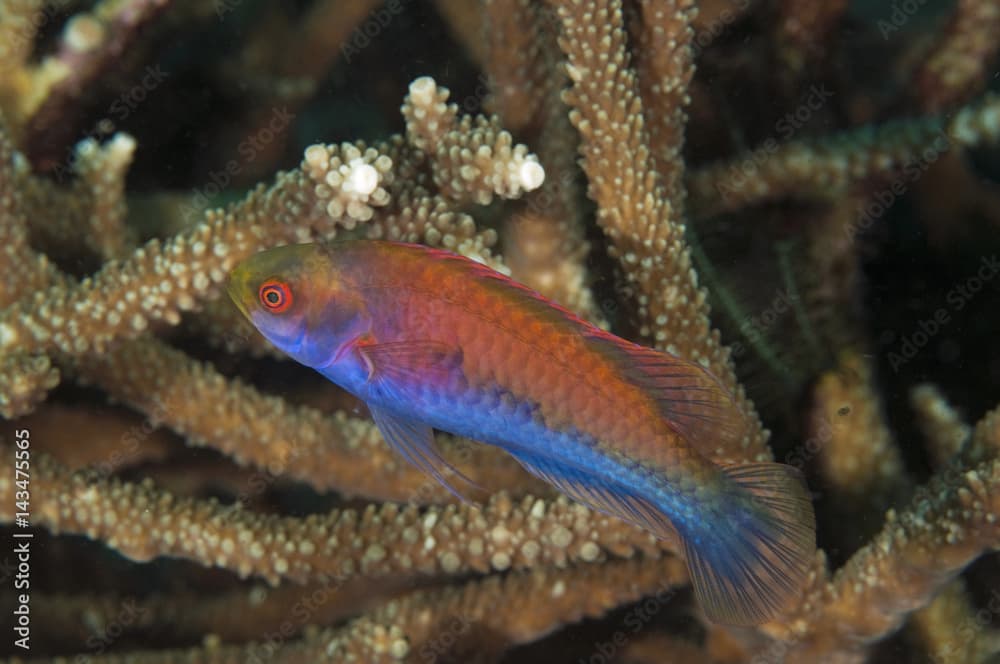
{"points": [[404, 362]]}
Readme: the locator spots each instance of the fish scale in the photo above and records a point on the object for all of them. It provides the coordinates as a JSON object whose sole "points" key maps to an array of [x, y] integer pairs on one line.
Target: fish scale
{"points": [[432, 340]]}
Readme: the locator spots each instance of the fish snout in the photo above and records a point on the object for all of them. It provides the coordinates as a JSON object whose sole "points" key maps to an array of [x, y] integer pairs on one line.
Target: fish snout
{"points": [[238, 288]]}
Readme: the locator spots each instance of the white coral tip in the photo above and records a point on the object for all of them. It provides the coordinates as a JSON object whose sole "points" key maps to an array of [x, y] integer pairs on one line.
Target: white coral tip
{"points": [[531, 175], [362, 178]]}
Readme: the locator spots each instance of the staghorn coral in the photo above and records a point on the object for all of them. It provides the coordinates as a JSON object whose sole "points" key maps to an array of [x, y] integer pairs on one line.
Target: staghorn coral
{"points": [[218, 464]]}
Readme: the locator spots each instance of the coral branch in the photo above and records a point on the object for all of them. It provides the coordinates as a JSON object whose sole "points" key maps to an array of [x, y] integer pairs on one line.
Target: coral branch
{"points": [[543, 240], [600, 90], [161, 279], [955, 68], [142, 523], [827, 167], [472, 160], [945, 431], [91, 44], [665, 65], [859, 459], [805, 28], [948, 524], [643, 226]]}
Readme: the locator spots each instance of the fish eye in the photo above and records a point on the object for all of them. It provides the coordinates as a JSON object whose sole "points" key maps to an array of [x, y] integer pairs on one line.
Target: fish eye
{"points": [[275, 296]]}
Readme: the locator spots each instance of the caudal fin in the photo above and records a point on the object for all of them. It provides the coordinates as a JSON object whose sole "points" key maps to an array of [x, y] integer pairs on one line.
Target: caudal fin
{"points": [[752, 559], [748, 550]]}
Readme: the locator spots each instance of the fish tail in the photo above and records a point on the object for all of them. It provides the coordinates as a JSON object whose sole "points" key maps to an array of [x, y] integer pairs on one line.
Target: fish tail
{"points": [[749, 543], [751, 558]]}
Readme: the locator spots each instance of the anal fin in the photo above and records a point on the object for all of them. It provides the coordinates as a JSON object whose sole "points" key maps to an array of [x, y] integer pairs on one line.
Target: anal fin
{"points": [[598, 494]]}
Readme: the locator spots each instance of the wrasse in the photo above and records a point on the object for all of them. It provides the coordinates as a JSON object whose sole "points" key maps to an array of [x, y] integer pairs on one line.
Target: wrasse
{"points": [[432, 340]]}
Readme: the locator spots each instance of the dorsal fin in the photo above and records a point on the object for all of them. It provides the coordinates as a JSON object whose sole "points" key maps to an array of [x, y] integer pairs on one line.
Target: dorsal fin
{"points": [[691, 399], [539, 304]]}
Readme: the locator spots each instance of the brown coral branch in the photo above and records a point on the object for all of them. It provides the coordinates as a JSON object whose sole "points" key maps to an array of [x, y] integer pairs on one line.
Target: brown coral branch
{"points": [[644, 228], [237, 616], [944, 430], [804, 30], [142, 522], [105, 439], [500, 612], [161, 279], [25, 381], [17, 32], [950, 630], [819, 169], [477, 618], [949, 523], [543, 239], [466, 22], [985, 441], [859, 459], [521, 78], [335, 187], [102, 169], [955, 68], [91, 44], [473, 159], [665, 66], [23, 270]]}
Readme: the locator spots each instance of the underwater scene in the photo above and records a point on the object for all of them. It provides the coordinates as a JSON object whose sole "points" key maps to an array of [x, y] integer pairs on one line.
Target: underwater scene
{"points": [[513, 331]]}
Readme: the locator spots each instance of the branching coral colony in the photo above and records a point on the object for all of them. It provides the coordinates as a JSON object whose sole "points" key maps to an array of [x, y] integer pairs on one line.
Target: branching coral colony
{"points": [[804, 169]]}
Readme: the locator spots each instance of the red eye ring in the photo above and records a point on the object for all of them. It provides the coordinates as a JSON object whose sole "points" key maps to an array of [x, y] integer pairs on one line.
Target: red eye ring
{"points": [[275, 296]]}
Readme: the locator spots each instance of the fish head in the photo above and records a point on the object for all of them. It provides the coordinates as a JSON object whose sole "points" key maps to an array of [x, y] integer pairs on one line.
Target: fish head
{"points": [[300, 300]]}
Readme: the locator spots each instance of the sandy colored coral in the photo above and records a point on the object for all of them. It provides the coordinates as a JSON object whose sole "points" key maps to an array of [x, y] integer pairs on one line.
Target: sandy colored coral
{"points": [[644, 228], [832, 165], [949, 522], [178, 436], [858, 457], [944, 429], [954, 69], [143, 522]]}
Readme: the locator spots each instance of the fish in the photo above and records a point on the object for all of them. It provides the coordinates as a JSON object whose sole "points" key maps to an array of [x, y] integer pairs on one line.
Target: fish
{"points": [[431, 340]]}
